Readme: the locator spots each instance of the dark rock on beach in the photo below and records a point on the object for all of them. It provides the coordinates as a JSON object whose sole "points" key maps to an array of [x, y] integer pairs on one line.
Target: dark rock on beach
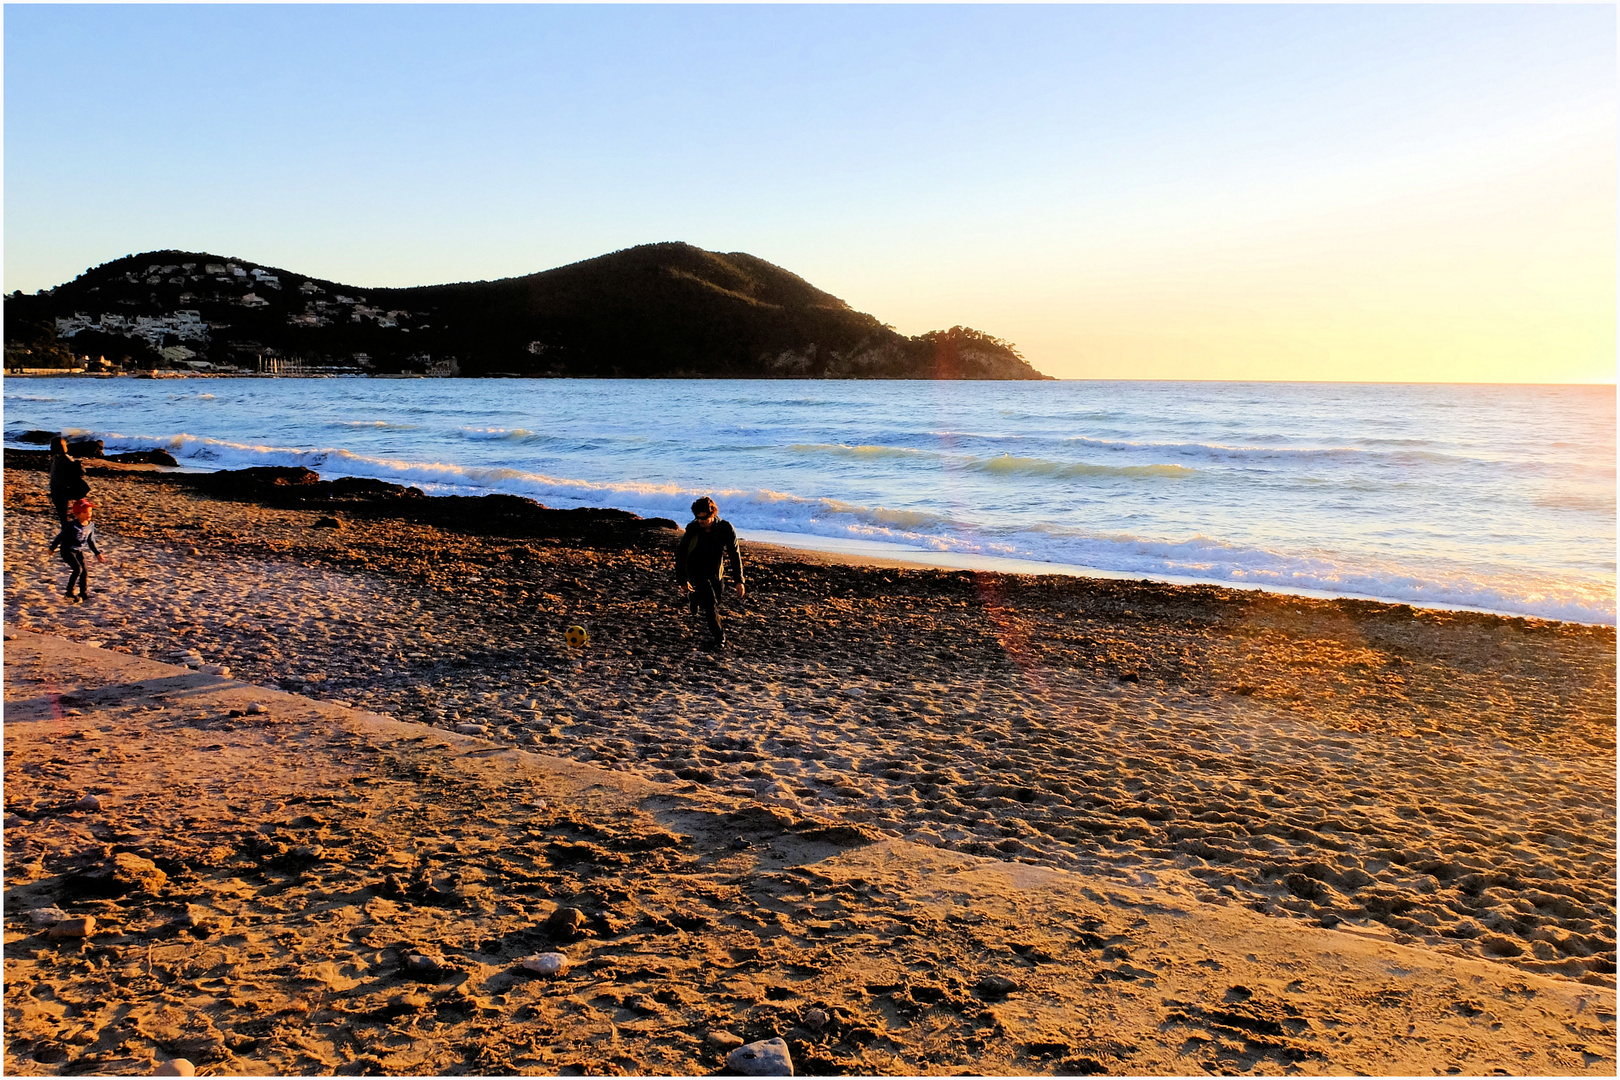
{"points": [[144, 457]]}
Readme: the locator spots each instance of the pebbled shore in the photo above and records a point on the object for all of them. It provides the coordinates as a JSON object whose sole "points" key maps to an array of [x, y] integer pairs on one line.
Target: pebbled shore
{"points": [[1448, 776], [266, 884]]}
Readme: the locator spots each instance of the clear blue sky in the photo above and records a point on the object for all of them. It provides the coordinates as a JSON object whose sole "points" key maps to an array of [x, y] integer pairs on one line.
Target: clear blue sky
{"points": [[1336, 192]]}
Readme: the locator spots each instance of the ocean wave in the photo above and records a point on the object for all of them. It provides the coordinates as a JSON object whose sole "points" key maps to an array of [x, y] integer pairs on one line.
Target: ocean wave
{"points": [[30, 397], [374, 425], [1024, 466], [1001, 464], [863, 452]]}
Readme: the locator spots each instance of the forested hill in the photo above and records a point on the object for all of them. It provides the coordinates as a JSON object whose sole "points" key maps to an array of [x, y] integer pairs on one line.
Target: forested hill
{"points": [[659, 310]]}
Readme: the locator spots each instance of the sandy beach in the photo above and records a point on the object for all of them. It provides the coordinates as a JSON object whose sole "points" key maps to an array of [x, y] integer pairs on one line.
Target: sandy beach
{"points": [[911, 821]]}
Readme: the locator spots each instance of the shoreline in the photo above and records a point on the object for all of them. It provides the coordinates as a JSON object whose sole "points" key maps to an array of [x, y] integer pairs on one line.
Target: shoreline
{"points": [[1316, 760], [850, 552]]}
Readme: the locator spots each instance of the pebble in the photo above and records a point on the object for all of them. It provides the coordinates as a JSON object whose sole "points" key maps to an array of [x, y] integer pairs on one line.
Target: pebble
{"points": [[471, 729], [46, 916], [768, 1057], [72, 928], [548, 964], [996, 986], [88, 802], [566, 922], [815, 1019], [418, 964], [257, 709], [724, 1040], [175, 1066]]}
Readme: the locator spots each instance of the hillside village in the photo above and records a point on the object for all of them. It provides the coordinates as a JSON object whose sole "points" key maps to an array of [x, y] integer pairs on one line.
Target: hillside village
{"points": [[182, 337], [653, 311]]}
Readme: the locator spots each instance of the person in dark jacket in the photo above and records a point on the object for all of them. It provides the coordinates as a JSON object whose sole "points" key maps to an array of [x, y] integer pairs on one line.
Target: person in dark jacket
{"points": [[67, 480], [700, 555], [75, 536]]}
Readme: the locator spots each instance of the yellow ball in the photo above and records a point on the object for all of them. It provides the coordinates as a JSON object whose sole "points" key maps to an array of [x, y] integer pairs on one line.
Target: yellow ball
{"points": [[576, 636]]}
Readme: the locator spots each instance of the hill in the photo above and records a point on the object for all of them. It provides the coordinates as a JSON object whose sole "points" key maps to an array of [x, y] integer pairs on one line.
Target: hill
{"points": [[654, 311]]}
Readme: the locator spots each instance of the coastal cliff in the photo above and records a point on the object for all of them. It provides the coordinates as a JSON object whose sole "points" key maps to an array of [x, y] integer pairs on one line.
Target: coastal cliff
{"points": [[656, 311]]}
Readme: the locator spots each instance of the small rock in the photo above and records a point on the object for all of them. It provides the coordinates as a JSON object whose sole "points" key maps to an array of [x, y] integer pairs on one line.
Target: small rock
{"points": [[328, 523], [72, 928], [644, 1005], [175, 1067], [88, 802], [46, 916], [566, 923], [471, 729], [547, 964], [815, 1019], [423, 966], [14, 822], [216, 669], [996, 986], [121, 874], [768, 1057], [257, 709], [724, 1040]]}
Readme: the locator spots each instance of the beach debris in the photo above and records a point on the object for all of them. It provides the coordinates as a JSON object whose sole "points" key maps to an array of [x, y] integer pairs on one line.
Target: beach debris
{"points": [[198, 922], [471, 729], [124, 873], [721, 1039], [768, 1057], [546, 964], [576, 636], [87, 802], [46, 916], [175, 1067], [257, 708], [81, 927], [566, 923], [423, 966], [996, 986]]}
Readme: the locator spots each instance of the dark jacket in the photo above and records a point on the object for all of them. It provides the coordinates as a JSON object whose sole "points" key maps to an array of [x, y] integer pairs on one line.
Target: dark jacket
{"points": [[700, 552], [67, 479], [76, 537]]}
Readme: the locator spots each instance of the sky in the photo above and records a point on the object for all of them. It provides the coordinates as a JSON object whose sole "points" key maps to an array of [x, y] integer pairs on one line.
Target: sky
{"points": [[1364, 193]]}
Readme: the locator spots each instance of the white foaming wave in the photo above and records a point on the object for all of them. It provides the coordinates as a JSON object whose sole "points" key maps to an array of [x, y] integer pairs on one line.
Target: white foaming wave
{"points": [[1197, 558], [499, 434], [30, 397], [373, 424]]}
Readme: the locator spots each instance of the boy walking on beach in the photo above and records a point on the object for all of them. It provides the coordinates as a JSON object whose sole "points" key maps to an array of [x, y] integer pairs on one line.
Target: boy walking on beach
{"points": [[699, 557], [76, 535]]}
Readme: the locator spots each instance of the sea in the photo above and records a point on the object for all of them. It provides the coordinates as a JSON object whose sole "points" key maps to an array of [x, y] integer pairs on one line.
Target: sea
{"points": [[1491, 498]]}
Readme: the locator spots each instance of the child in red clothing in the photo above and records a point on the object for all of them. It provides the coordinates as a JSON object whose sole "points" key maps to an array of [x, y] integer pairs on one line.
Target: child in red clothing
{"points": [[76, 535]]}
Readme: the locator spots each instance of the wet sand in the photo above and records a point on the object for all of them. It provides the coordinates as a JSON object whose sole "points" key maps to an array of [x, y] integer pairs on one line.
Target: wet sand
{"points": [[1434, 782]]}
